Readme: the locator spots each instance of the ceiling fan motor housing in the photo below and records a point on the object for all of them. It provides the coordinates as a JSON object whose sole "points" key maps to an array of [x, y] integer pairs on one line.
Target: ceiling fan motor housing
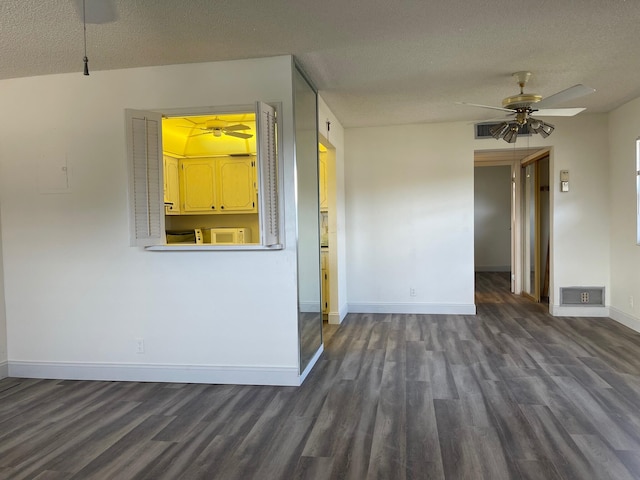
{"points": [[523, 100]]}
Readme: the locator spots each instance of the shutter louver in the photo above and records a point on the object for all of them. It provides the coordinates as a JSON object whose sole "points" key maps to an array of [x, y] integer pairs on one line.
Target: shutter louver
{"points": [[146, 178], [268, 174]]}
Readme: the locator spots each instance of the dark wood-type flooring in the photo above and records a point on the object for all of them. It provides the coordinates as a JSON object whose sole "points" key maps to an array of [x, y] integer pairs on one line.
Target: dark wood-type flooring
{"points": [[511, 393]]}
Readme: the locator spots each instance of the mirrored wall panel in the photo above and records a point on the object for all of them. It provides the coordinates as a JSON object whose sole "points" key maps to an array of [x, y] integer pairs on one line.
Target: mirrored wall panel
{"points": [[308, 214]]}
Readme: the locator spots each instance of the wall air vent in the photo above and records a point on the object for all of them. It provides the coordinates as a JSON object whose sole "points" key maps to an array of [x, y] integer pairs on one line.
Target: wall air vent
{"points": [[582, 296], [482, 129]]}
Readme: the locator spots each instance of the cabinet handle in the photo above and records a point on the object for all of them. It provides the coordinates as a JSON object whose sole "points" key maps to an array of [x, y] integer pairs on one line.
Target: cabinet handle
{"points": [[222, 207], [213, 207]]}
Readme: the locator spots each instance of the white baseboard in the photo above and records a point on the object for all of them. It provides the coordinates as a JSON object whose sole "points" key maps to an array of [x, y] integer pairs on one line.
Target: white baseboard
{"points": [[311, 364], [493, 268], [310, 307], [212, 374], [336, 318], [560, 311], [419, 308], [625, 319], [4, 369]]}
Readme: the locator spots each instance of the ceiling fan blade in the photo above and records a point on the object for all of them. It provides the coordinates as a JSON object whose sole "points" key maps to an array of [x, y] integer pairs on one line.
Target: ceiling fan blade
{"points": [[239, 126], [193, 127], [557, 112], [567, 95], [238, 134], [486, 106]]}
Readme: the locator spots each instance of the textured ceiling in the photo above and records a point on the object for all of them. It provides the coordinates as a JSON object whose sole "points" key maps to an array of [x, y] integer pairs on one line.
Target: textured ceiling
{"points": [[375, 62]]}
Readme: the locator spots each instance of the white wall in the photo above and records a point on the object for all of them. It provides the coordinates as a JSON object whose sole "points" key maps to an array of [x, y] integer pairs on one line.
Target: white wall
{"points": [[580, 217], [4, 368], [492, 213], [410, 210], [624, 129], [337, 224], [77, 295], [409, 197]]}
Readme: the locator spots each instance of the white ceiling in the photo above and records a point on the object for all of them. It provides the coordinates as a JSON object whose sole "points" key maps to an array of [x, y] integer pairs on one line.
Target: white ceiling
{"points": [[375, 62]]}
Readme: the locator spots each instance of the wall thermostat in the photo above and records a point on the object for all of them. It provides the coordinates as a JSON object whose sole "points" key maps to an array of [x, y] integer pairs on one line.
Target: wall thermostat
{"points": [[564, 180]]}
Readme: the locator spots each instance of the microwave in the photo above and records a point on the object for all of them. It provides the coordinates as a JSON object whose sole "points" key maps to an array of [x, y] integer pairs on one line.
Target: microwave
{"points": [[227, 236], [193, 236]]}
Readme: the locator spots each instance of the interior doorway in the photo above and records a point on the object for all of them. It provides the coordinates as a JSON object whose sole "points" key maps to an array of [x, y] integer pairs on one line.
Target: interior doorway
{"points": [[536, 224], [522, 256], [329, 245]]}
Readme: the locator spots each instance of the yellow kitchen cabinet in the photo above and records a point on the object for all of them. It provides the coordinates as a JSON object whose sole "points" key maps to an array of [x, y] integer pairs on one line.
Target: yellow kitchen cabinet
{"points": [[237, 184], [322, 173], [171, 186], [218, 185], [198, 186]]}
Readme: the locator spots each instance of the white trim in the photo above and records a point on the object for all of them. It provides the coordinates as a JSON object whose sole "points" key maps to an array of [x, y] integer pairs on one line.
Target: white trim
{"points": [[310, 307], [212, 374], [562, 311], [336, 318], [4, 369], [419, 308], [311, 364], [212, 248], [625, 319]]}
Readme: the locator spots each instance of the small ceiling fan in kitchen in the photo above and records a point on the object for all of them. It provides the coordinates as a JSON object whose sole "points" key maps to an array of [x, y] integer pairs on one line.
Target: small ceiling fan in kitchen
{"points": [[217, 128], [523, 109]]}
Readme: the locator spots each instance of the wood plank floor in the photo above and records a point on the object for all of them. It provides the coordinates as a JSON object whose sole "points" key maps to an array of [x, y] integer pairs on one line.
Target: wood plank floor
{"points": [[511, 393]]}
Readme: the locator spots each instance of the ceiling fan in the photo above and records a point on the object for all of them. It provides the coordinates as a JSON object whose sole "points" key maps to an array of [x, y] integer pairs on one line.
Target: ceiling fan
{"points": [[218, 128], [525, 107]]}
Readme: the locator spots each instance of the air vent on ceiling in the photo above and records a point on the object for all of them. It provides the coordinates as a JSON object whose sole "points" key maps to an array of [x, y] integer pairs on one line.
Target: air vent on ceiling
{"points": [[482, 129], [583, 296]]}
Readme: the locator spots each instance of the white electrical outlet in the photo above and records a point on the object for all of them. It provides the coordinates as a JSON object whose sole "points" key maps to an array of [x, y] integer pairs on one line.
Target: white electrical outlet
{"points": [[139, 345], [412, 292]]}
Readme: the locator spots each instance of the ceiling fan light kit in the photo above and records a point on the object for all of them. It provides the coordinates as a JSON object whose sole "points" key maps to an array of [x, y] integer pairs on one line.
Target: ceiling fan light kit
{"points": [[523, 106]]}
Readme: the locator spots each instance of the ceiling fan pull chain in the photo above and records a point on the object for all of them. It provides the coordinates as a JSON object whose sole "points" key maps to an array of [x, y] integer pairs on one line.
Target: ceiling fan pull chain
{"points": [[85, 59]]}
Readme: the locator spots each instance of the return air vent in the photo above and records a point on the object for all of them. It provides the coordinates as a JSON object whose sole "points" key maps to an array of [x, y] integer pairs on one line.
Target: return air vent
{"points": [[482, 129], [583, 296]]}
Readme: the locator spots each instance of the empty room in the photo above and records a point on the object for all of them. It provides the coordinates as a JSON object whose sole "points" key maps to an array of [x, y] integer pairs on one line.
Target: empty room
{"points": [[319, 240]]}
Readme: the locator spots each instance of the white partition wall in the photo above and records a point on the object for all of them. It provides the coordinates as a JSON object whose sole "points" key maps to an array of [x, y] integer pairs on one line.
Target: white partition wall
{"points": [[409, 197], [78, 297]]}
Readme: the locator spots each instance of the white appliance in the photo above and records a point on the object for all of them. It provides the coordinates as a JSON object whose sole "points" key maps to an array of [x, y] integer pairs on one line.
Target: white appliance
{"points": [[227, 236]]}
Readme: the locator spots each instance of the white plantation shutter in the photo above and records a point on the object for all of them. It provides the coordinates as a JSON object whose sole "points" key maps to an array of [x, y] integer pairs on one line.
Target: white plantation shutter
{"points": [[268, 174], [146, 189]]}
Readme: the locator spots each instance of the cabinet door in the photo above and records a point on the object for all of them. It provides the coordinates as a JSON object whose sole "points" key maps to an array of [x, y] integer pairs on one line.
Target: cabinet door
{"points": [[171, 186], [198, 185], [323, 181], [237, 185]]}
